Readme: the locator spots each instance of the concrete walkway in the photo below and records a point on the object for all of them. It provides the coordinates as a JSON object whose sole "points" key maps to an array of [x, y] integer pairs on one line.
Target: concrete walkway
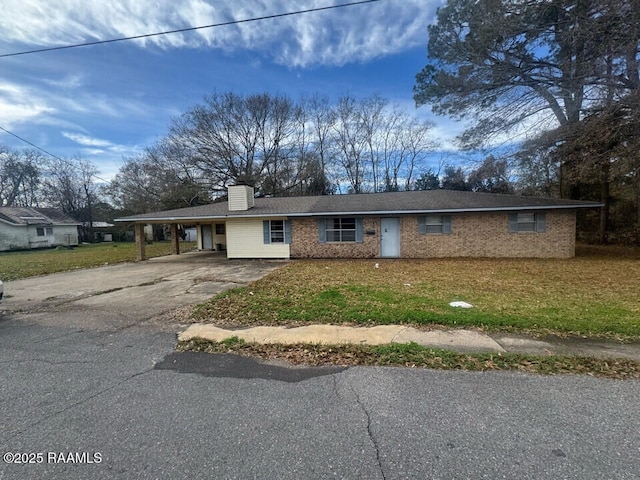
{"points": [[460, 340]]}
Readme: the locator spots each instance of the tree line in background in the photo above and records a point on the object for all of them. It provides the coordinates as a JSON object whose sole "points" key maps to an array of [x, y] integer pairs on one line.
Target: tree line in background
{"points": [[158, 181], [287, 148], [561, 79], [280, 146]]}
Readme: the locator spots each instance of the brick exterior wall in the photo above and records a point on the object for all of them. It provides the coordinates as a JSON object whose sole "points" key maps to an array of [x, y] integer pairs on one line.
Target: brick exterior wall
{"points": [[305, 243], [487, 235], [472, 235]]}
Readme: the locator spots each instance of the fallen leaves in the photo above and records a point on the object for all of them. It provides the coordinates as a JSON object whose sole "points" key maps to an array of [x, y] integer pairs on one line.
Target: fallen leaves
{"points": [[415, 356]]}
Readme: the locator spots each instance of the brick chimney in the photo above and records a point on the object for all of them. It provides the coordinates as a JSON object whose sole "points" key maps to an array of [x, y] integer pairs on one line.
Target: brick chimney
{"points": [[240, 197]]}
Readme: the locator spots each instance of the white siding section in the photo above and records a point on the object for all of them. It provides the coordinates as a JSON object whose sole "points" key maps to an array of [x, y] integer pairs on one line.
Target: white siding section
{"points": [[240, 197], [219, 239], [14, 237], [65, 235], [245, 239]]}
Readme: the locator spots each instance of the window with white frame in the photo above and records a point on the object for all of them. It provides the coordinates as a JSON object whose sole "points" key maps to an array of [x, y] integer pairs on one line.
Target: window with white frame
{"points": [[277, 231], [535, 222], [434, 224], [219, 228], [44, 231]]}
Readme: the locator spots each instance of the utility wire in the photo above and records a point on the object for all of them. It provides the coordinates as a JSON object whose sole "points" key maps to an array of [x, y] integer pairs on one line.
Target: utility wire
{"points": [[189, 29], [67, 162], [169, 32], [33, 145]]}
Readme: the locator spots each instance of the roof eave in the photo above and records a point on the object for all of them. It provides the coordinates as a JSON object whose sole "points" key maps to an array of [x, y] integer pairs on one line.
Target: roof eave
{"points": [[445, 210], [359, 213], [170, 219], [49, 224]]}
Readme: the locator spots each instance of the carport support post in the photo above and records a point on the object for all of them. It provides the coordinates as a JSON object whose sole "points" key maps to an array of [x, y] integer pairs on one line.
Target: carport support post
{"points": [[175, 240], [140, 241]]}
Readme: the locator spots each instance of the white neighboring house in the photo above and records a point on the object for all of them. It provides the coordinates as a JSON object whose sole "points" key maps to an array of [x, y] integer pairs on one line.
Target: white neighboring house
{"points": [[26, 228]]}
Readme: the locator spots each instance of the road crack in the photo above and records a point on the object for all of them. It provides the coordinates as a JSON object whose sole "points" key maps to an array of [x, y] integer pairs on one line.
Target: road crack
{"points": [[367, 415], [49, 362]]}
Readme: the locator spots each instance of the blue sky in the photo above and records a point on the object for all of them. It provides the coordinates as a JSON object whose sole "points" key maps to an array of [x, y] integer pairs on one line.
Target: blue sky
{"points": [[109, 101]]}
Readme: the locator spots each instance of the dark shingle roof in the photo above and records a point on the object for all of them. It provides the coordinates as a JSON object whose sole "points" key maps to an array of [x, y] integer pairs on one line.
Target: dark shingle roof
{"points": [[428, 201], [33, 216]]}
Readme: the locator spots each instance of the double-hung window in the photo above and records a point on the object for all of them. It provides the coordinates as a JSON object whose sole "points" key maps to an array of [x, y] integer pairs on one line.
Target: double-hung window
{"points": [[434, 224], [277, 231], [527, 222], [340, 229], [44, 231]]}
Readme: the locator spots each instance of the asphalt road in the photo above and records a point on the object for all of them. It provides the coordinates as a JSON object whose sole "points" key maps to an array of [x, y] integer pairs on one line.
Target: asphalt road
{"points": [[126, 399], [90, 387]]}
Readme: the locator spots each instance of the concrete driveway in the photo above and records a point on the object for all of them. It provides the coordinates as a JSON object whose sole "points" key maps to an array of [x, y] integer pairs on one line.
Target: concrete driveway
{"points": [[82, 374], [124, 295]]}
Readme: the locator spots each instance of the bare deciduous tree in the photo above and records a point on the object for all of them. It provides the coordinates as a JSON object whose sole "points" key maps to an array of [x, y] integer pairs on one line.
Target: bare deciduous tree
{"points": [[20, 177]]}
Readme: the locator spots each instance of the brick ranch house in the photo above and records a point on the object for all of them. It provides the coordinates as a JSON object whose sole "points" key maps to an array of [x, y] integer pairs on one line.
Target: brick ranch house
{"points": [[417, 224]]}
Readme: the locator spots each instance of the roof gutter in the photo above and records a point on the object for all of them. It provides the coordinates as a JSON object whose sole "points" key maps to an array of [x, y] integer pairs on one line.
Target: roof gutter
{"points": [[360, 213]]}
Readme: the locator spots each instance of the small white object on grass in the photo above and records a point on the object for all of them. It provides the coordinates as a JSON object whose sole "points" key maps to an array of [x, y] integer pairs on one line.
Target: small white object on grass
{"points": [[377, 265], [461, 304]]}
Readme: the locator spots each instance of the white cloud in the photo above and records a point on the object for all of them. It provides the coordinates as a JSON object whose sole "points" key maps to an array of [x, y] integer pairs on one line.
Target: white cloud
{"points": [[20, 104], [334, 37], [68, 82], [86, 140], [93, 151]]}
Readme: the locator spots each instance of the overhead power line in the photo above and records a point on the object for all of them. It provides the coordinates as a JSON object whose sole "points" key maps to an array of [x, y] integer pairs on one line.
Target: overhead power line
{"points": [[32, 144], [188, 29], [67, 162]]}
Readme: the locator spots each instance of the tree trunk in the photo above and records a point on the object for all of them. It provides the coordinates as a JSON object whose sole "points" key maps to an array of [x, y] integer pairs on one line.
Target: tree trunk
{"points": [[605, 188]]}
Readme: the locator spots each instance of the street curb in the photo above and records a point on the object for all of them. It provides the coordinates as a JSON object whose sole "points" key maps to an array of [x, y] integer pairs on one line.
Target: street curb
{"points": [[459, 340]]}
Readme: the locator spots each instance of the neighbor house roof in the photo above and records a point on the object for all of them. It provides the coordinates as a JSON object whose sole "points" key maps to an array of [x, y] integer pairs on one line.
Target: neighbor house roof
{"points": [[98, 224], [391, 203], [35, 216]]}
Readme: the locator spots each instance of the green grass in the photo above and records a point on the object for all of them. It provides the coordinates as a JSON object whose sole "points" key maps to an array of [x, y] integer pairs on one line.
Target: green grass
{"points": [[593, 295], [413, 355], [16, 265]]}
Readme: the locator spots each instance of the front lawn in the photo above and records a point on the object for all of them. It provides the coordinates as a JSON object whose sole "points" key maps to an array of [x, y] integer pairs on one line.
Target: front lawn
{"points": [[15, 265], [594, 295]]}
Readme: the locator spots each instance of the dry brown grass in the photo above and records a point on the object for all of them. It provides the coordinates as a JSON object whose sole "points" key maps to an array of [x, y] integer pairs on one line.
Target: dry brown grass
{"points": [[587, 294]]}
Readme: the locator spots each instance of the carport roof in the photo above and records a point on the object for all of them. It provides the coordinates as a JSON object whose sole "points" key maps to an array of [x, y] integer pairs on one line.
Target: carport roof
{"points": [[415, 202]]}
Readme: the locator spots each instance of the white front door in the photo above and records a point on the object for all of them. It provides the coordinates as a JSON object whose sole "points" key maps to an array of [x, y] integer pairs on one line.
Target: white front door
{"points": [[207, 237], [389, 237]]}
